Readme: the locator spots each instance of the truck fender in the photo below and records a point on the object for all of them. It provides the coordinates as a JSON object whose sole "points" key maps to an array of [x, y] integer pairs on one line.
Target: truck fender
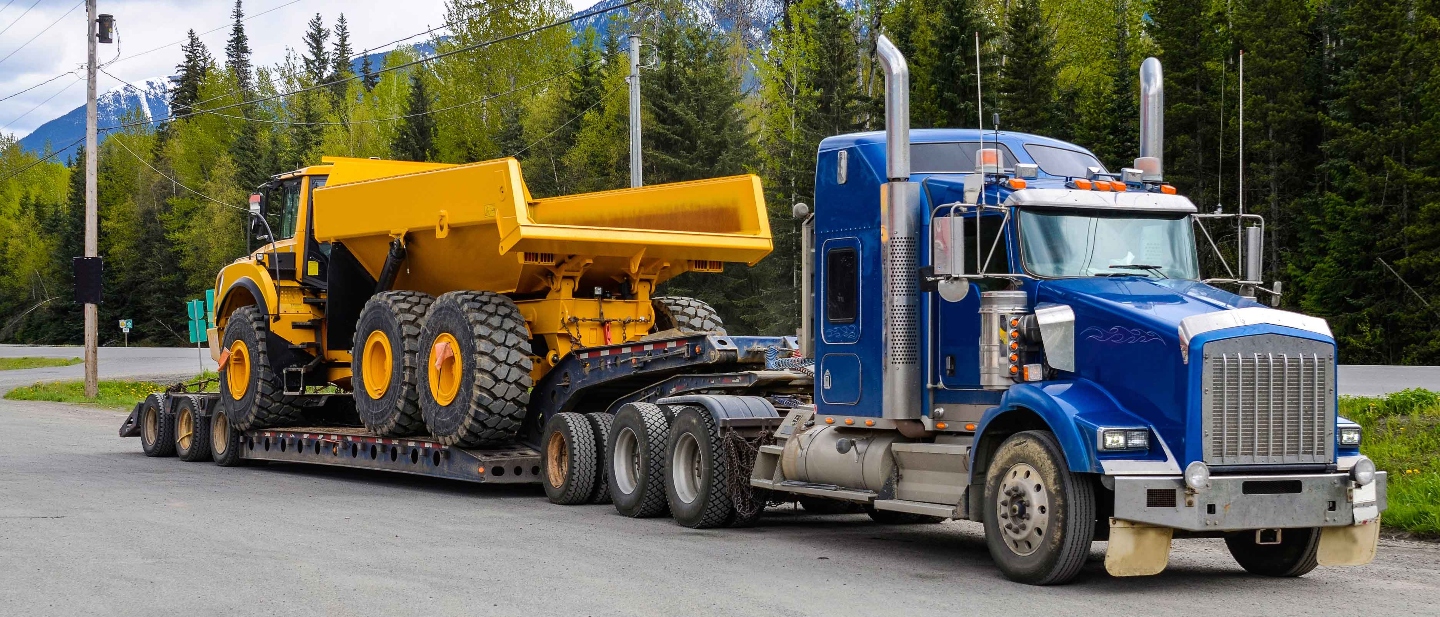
{"points": [[1056, 407], [725, 407], [223, 305]]}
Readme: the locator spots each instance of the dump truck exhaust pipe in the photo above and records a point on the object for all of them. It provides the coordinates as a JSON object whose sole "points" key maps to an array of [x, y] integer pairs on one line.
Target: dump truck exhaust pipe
{"points": [[899, 204], [1152, 122]]}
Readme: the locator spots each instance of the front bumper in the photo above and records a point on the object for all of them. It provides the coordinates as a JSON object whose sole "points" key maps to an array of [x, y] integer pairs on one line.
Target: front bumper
{"points": [[1235, 503]]}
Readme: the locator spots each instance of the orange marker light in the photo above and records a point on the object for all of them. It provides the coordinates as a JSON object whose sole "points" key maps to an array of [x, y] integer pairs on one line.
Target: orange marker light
{"points": [[829, 420], [941, 425], [1083, 184], [1102, 185], [970, 426], [1118, 186], [869, 423], [1014, 346], [1017, 184], [1167, 189], [482, 470], [849, 421], [1014, 357], [1014, 370], [1014, 334], [1014, 323]]}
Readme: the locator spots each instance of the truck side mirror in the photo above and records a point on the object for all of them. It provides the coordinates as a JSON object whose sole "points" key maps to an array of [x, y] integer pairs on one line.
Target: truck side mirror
{"points": [[258, 228], [947, 256], [1254, 248]]}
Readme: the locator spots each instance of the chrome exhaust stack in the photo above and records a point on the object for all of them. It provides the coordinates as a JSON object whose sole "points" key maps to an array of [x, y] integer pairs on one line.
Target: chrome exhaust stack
{"points": [[899, 237], [1152, 122]]}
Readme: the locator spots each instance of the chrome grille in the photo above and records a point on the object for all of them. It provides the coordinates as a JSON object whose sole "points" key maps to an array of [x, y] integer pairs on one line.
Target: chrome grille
{"points": [[1268, 399]]}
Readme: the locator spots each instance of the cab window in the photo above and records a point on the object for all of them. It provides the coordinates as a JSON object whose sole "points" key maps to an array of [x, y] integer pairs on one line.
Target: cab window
{"points": [[289, 209]]}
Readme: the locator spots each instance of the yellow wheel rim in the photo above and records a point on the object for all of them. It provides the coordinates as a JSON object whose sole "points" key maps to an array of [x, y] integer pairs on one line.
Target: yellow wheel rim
{"points": [[237, 372], [444, 368], [376, 364], [185, 429], [557, 459]]}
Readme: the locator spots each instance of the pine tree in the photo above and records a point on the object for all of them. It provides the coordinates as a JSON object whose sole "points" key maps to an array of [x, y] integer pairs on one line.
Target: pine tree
{"points": [[415, 139], [1027, 81], [368, 77], [189, 75], [694, 100], [1185, 31], [910, 25], [584, 91], [316, 57], [1111, 127], [952, 80], [341, 60], [237, 51]]}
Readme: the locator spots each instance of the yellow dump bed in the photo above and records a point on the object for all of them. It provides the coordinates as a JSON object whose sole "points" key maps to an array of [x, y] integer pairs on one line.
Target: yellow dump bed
{"points": [[475, 226]]}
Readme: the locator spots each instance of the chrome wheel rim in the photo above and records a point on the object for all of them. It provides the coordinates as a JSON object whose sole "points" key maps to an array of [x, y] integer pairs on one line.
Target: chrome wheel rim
{"points": [[625, 461], [1023, 509], [685, 470]]}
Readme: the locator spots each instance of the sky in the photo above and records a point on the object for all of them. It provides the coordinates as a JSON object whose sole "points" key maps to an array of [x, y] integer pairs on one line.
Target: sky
{"points": [[145, 25]]}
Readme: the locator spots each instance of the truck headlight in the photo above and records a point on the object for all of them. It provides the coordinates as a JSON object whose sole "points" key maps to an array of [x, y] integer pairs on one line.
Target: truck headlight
{"points": [[1363, 472], [1197, 476], [1350, 436], [1115, 439]]}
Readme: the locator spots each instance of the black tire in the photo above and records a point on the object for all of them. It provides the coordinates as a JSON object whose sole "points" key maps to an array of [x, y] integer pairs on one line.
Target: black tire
{"points": [[686, 315], [567, 459], [226, 442], [493, 384], [398, 316], [821, 505], [1295, 555], [263, 402], [697, 482], [192, 430], [600, 425], [635, 460], [157, 429], [1056, 521]]}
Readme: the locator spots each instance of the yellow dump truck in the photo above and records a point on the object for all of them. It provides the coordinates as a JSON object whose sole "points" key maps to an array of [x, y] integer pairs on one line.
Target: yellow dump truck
{"points": [[441, 294]]}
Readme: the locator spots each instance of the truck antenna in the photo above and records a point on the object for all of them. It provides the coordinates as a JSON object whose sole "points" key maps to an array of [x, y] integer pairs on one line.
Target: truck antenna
{"points": [[980, 120]]}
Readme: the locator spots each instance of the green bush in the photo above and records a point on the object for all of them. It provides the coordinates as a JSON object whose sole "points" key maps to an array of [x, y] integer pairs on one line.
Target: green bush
{"points": [[1402, 436]]}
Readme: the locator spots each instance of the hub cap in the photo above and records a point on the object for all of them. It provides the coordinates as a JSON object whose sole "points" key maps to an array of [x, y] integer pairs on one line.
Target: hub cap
{"points": [[625, 461], [376, 364], [444, 369], [220, 433], [1023, 509], [237, 372], [686, 468]]}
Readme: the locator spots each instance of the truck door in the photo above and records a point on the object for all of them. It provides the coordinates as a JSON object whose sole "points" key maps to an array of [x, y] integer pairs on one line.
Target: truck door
{"points": [[957, 329], [316, 266]]}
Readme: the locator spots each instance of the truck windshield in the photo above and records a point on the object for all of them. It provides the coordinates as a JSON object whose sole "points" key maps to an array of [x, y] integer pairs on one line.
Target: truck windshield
{"points": [[1060, 243]]}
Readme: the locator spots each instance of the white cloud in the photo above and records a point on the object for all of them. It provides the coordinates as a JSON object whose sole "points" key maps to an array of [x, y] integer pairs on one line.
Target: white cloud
{"points": [[146, 24]]}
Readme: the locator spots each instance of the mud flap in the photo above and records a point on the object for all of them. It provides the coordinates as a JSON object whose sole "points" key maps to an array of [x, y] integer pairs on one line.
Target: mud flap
{"points": [[131, 427], [1350, 545], [1137, 549]]}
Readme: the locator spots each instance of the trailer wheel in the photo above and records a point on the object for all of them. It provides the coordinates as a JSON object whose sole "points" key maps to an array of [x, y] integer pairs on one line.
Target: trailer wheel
{"points": [[477, 369], [192, 432], [251, 391], [1294, 555], [225, 440], [686, 315], [1039, 516], [600, 423], [385, 362], [568, 459], [157, 429], [697, 482], [635, 460]]}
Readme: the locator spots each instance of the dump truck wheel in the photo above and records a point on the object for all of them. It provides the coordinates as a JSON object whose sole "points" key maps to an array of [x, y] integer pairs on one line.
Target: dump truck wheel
{"points": [[1295, 555], [1039, 516], [252, 392], [157, 430], [568, 459], [600, 423], [385, 362], [697, 482], [686, 315], [192, 432], [635, 460], [476, 376], [225, 441]]}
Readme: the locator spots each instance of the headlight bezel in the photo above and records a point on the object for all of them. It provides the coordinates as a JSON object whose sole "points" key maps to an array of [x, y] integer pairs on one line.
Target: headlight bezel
{"points": [[1349, 436], [1112, 439]]}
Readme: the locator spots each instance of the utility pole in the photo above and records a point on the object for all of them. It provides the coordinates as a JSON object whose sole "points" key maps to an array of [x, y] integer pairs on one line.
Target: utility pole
{"points": [[92, 249], [636, 179]]}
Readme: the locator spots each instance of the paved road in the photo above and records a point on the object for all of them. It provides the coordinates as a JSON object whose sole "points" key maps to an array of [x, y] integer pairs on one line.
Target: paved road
{"points": [[160, 363], [88, 525], [1372, 380]]}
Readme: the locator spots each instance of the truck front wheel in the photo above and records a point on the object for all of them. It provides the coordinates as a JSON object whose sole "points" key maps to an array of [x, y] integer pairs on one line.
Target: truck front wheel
{"points": [[1286, 552], [251, 391], [1039, 516]]}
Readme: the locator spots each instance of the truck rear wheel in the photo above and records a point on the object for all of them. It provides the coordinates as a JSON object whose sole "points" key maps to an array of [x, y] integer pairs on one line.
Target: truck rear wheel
{"points": [[686, 315], [1293, 555], [476, 377], [635, 460], [697, 482], [192, 432], [157, 430], [225, 441], [251, 390], [385, 362], [600, 425], [1039, 516], [568, 459]]}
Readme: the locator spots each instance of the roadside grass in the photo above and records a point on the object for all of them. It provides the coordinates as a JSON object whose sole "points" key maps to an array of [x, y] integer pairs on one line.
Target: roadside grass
{"points": [[21, 363], [1402, 435], [114, 393]]}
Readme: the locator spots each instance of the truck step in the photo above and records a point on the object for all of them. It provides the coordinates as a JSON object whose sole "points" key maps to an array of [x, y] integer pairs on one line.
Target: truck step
{"points": [[313, 324], [917, 507]]}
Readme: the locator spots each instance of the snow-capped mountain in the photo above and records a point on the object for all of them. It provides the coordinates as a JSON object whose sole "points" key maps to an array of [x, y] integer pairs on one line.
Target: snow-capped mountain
{"points": [[151, 97]]}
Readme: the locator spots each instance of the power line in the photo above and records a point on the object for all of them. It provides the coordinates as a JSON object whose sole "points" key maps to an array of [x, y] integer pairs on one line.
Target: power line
{"points": [[567, 123], [121, 143], [467, 48], [7, 5], [42, 103], [41, 160], [47, 29], [37, 85], [17, 19]]}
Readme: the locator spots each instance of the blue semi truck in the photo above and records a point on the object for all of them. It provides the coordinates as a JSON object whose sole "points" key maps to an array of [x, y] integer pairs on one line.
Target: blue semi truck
{"points": [[995, 328]]}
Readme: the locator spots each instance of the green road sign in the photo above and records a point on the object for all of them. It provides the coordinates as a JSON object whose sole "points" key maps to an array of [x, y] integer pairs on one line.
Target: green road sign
{"points": [[195, 310]]}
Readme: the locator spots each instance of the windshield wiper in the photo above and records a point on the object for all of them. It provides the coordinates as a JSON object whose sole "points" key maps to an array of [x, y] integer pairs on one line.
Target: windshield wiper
{"points": [[1153, 269]]}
